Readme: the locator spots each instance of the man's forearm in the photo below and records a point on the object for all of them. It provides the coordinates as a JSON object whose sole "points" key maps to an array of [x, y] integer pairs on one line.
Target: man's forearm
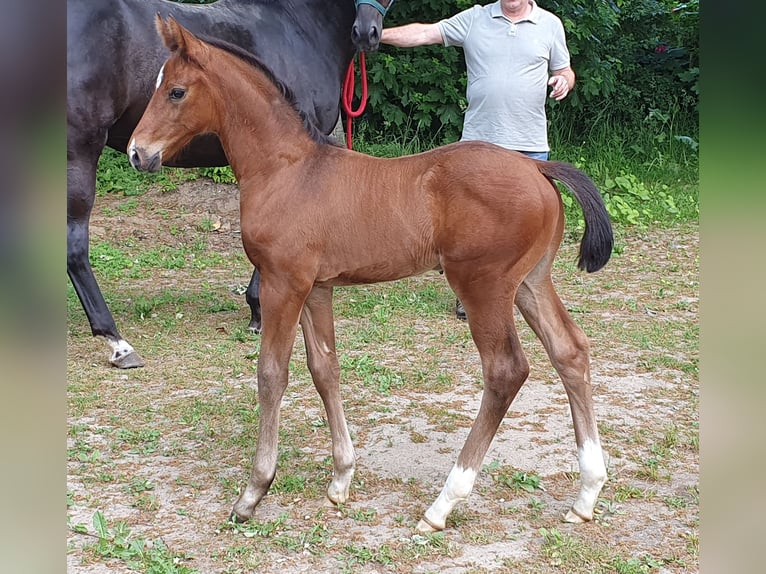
{"points": [[411, 35]]}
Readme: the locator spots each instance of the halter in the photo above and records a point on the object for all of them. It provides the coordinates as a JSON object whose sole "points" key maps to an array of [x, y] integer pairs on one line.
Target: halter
{"points": [[377, 5]]}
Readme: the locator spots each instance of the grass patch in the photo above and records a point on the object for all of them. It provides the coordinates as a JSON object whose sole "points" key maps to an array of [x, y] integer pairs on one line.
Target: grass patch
{"points": [[116, 176], [117, 543]]}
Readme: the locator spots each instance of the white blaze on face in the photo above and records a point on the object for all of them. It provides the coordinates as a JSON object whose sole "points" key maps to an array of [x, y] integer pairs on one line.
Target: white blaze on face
{"points": [[159, 77]]}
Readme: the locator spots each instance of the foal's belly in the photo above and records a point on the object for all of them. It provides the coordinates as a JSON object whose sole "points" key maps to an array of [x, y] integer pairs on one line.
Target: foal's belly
{"points": [[377, 272]]}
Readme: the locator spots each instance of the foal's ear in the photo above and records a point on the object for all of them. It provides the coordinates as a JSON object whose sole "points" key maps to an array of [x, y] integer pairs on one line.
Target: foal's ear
{"points": [[179, 39], [169, 35]]}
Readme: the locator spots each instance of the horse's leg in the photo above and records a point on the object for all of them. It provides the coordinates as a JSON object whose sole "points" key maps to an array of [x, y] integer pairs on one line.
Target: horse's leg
{"points": [[568, 349], [81, 192], [252, 298], [319, 335], [505, 368], [282, 303]]}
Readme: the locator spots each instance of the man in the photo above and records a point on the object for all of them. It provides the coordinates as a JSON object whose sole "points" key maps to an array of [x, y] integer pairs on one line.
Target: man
{"points": [[513, 51]]}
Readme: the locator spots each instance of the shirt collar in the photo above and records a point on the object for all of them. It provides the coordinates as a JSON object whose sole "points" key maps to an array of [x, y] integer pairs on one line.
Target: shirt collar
{"points": [[496, 11]]}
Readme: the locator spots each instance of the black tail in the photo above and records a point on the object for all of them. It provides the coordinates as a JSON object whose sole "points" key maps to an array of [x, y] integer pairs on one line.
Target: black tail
{"points": [[598, 240]]}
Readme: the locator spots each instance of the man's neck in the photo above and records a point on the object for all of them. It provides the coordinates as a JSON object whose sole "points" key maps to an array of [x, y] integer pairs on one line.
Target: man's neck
{"points": [[516, 12]]}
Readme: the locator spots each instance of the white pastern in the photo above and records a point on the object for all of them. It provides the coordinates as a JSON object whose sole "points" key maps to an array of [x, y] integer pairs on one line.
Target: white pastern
{"points": [[120, 348], [592, 477], [159, 77], [592, 468], [458, 486]]}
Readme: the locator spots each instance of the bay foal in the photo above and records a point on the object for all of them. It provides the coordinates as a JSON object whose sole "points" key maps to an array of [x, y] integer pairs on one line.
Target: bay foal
{"points": [[314, 216]]}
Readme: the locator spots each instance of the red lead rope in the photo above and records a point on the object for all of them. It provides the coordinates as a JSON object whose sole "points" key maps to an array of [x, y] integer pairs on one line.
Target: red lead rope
{"points": [[347, 95]]}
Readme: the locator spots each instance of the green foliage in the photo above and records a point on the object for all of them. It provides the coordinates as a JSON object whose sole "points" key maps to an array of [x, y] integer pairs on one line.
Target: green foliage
{"points": [[372, 374], [590, 26], [515, 479], [218, 174], [252, 528], [653, 64], [117, 543], [115, 175]]}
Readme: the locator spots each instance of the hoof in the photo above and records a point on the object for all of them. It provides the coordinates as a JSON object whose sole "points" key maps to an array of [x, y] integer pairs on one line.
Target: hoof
{"points": [[426, 527], [573, 517], [337, 495], [237, 519], [255, 327], [129, 361]]}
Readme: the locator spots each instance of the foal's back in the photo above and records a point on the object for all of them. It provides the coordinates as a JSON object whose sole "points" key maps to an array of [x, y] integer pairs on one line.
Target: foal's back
{"points": [[396, 217]]}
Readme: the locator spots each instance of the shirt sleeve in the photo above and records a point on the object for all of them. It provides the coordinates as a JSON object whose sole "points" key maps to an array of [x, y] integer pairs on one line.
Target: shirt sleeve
{"points": [[559, 52], [456, 28]]}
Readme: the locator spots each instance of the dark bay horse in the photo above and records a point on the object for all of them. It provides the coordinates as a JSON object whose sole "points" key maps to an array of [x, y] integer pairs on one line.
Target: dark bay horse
{"points": [[113, 56], [315, 216]]}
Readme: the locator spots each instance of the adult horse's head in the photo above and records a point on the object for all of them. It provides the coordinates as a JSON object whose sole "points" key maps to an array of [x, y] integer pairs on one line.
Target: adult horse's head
{"points": [[365, 33], [172, 119]]}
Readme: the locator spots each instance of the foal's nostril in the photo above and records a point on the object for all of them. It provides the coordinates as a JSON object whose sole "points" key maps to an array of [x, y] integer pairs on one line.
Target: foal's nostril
{"points": [[135, 161]]}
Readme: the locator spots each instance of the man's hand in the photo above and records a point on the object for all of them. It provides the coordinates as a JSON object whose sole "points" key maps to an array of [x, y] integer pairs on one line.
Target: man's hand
{"points": [[560, 87]]}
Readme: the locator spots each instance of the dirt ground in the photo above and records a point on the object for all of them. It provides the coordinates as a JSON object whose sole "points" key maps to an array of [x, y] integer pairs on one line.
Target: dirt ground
{"points": [[166, 447]]}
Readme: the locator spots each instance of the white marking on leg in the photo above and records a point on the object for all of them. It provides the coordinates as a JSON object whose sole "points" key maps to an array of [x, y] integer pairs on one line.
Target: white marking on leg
{"points": [[338, 489], [120, 348], [160, 76], [592, 479], [457, 488]]}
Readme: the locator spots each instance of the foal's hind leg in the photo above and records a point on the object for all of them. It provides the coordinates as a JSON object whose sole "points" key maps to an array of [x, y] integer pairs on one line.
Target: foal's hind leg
{"points": [[319, 335], [568, 349], [505, 368]]}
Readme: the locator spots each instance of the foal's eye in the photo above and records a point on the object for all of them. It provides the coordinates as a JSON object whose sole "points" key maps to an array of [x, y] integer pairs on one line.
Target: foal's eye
{"points": [[177, 93]]}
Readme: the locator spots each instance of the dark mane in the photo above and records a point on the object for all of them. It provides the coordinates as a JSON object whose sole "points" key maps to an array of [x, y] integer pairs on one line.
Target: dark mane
{"points": [[286, 92]]}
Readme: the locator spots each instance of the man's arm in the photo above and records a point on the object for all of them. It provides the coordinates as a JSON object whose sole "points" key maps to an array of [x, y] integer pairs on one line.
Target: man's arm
{"points": [[411, 35], [562, 81]]}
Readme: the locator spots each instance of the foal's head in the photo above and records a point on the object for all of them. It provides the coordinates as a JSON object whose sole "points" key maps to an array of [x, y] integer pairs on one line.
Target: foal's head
{"points": [[180, 106], [193, 89]]}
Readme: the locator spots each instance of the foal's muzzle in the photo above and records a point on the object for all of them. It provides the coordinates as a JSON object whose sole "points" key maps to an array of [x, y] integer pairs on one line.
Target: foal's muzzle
{"points": [[141, 160]]}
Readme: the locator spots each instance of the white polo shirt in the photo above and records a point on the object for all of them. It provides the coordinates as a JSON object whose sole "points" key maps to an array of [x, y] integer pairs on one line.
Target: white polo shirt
{"points": [[508, 69]]}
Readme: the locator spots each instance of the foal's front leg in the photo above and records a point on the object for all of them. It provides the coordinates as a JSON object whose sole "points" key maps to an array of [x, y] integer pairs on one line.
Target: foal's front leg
{"points": [[281, 305], [319, 334]]}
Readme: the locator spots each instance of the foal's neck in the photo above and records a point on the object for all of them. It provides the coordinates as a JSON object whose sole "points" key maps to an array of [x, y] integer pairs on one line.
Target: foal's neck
{"points": [[260, 131]]}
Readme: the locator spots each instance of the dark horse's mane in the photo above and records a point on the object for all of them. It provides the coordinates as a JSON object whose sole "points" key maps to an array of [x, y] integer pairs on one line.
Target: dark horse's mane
{"points": [[286, 92]]}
